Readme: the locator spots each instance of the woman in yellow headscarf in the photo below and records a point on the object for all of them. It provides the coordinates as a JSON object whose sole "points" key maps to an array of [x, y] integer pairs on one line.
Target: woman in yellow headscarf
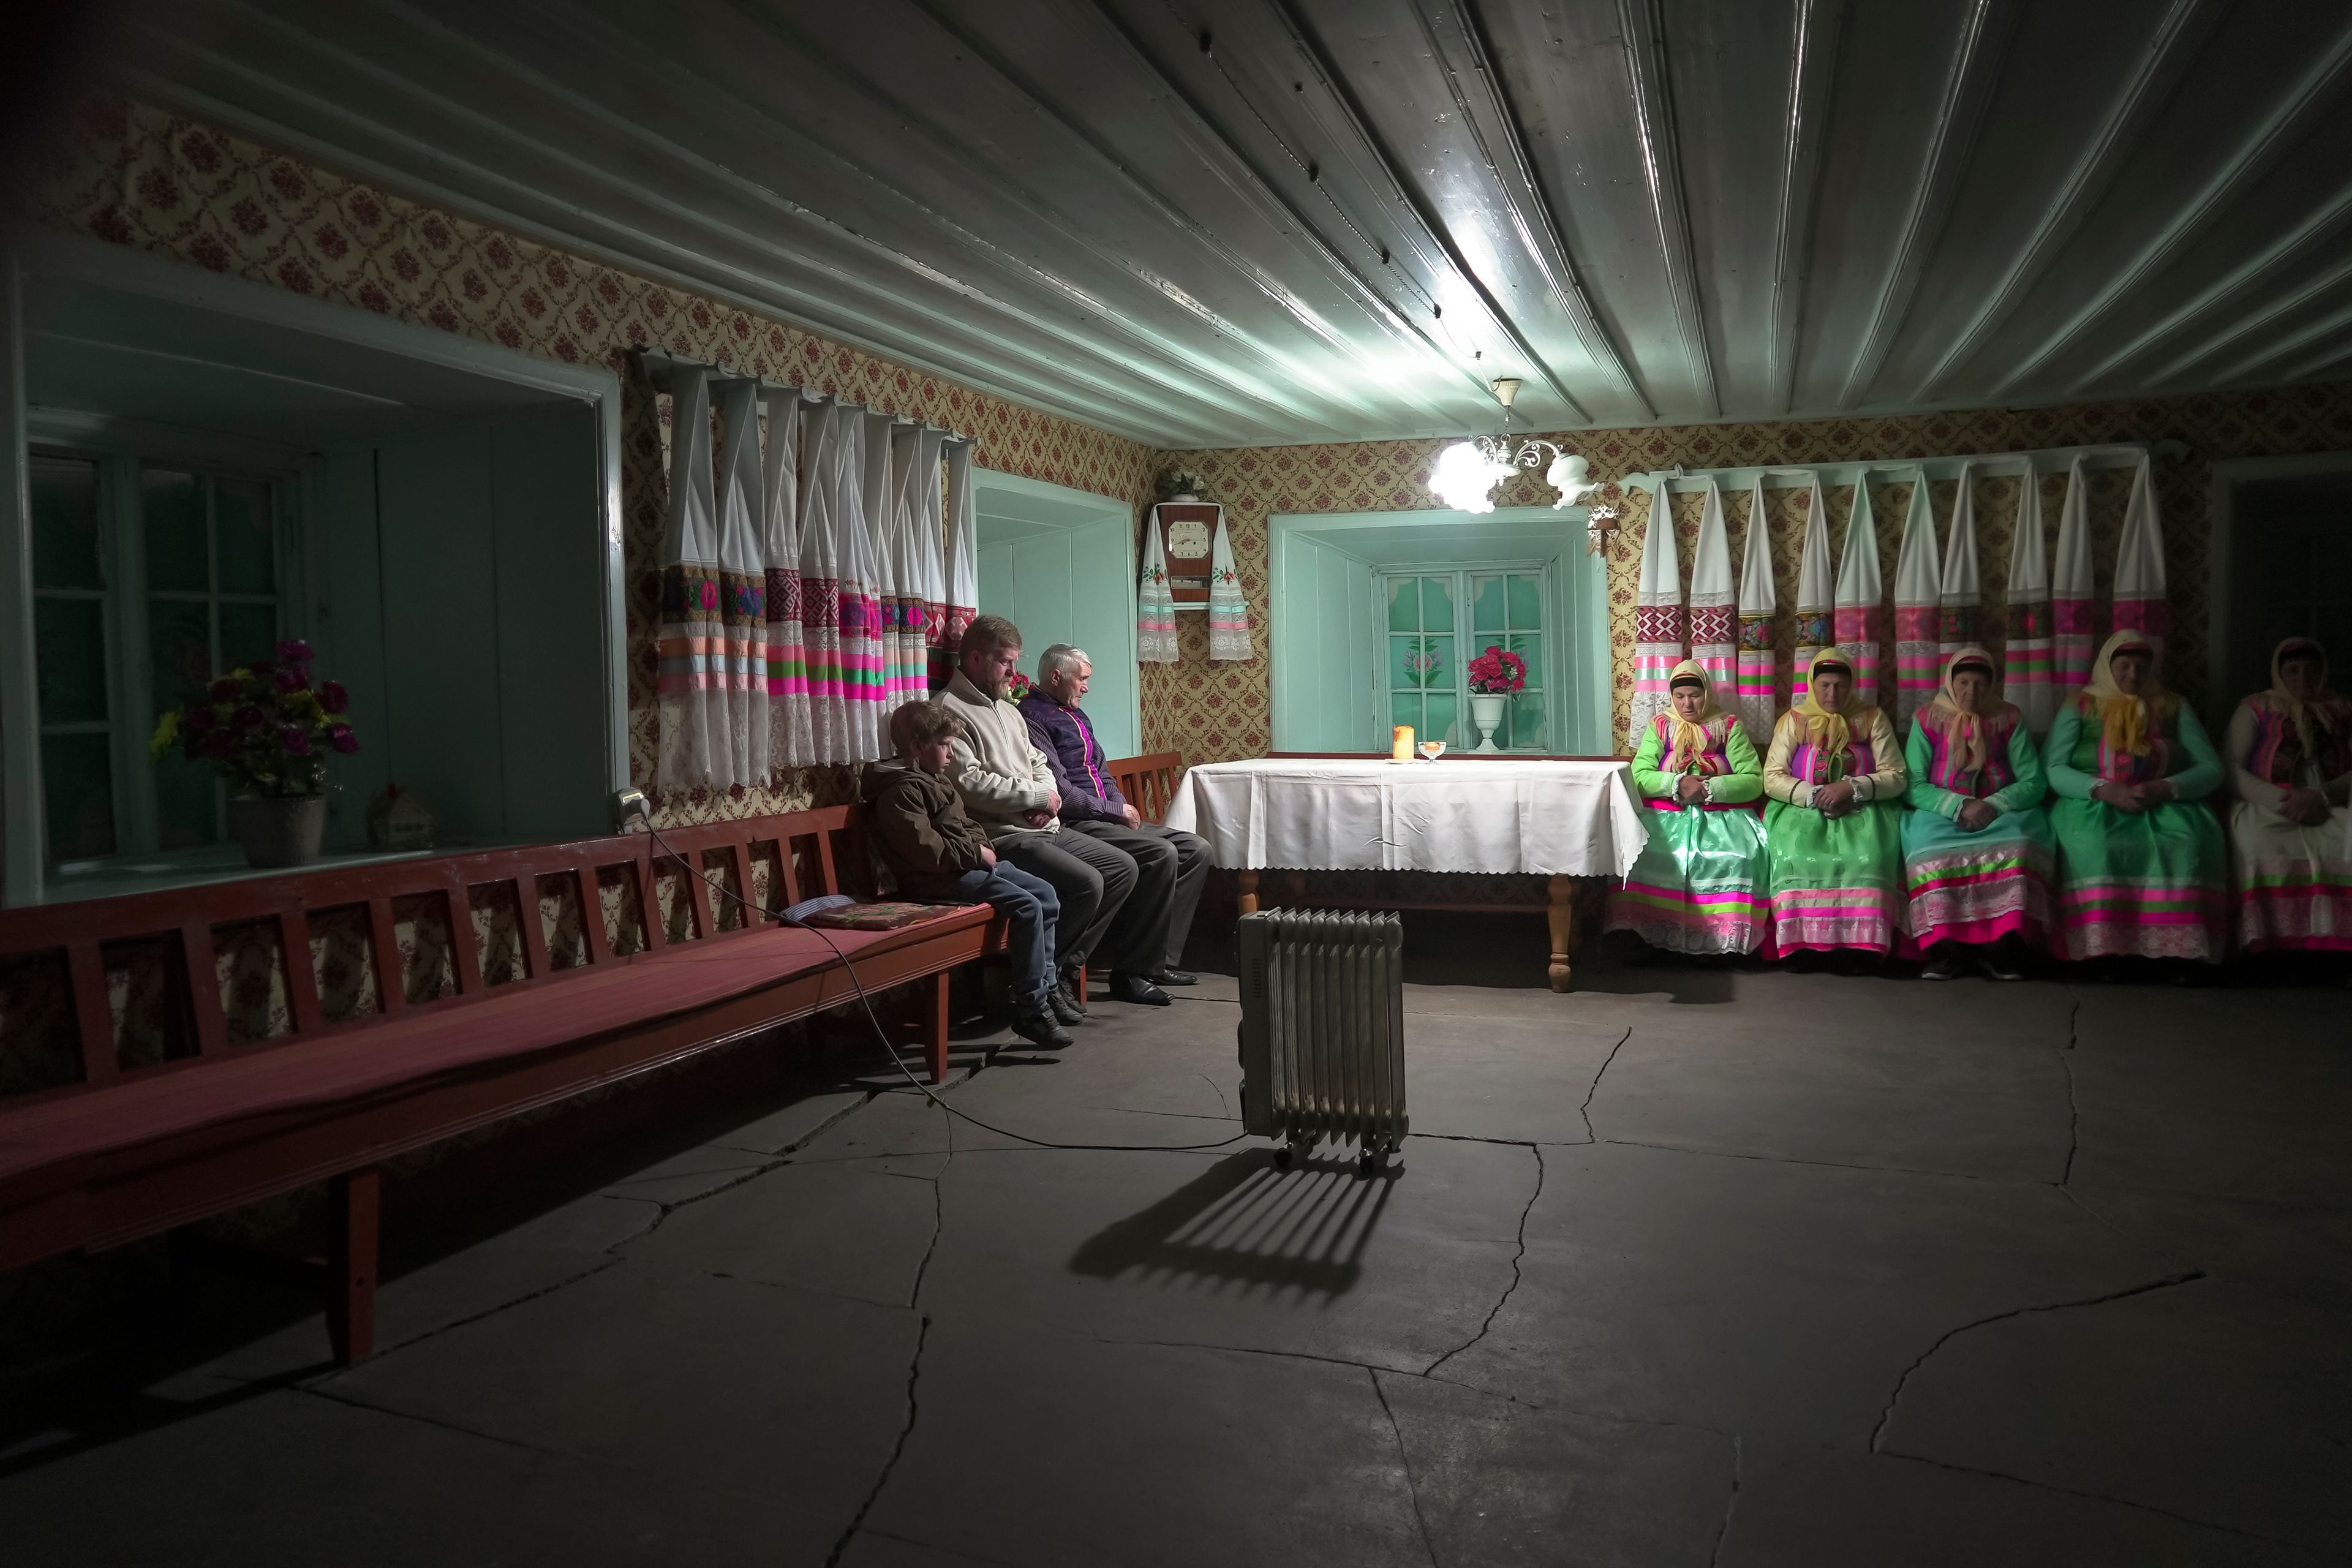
{"points": [[1977, 856], [1699, 884], [2139, 853], [1836, 778], [2290, 750]]}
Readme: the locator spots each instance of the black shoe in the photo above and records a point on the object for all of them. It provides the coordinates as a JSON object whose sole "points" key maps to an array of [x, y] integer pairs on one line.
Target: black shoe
{"points": [[1167, 976], [1038, 1026], [1073, 990], [2002, 966], [1063, 1006], [1135, 989], [1943, 966]]}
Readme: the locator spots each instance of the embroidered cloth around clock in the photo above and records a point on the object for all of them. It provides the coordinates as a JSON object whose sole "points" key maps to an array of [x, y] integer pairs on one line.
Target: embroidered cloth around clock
{"points": [[1546, 818]]}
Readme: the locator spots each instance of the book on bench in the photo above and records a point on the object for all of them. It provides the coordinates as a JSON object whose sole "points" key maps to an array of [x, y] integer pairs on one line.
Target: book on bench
{"points": [[879, 917]]}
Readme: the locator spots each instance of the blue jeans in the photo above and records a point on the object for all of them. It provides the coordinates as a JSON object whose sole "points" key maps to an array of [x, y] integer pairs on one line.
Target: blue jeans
{"points": [[1030, 907]]}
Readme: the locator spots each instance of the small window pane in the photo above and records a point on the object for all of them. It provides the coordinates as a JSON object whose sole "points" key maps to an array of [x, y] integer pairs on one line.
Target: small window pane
{"points": [[248, 632], [1439, 715], [248, 549], [69, 645], [1437, 604], [64, 495], [1426, 662], [179, 640], [175, 511], [1404, 708], [1527, 601], [1486, 604], [1529, 646], [78, 785], [1525, 722], [185, 813], [1404, 605]]}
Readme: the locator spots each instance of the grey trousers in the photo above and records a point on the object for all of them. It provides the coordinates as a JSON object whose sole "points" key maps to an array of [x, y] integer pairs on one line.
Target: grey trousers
{"points": [[1170, 867], [1095, 882]]}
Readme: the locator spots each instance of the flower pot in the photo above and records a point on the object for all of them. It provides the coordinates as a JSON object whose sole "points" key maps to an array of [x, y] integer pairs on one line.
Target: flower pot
{"points": [[1486, 712], [279, 830]]}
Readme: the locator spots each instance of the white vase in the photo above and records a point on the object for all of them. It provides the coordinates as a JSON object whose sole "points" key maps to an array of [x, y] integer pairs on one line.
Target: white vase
{"points": [[1486, 712]]}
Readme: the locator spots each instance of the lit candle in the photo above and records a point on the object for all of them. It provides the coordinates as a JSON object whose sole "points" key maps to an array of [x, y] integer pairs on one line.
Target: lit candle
{"points": [[1403, 750]]}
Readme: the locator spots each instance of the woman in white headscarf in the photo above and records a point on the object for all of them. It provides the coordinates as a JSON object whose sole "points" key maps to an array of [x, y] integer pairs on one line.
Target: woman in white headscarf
{"points": [[2139, 852], [2289, 752], [1700, 884]]}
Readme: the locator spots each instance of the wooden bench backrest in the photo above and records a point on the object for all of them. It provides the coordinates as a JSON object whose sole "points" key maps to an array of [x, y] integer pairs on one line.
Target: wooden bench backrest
{"points": [[1149, 782], [200, 934]]}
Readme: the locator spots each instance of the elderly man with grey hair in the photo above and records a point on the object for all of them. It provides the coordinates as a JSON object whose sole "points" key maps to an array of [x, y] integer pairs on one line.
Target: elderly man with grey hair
{"points": [[1169, 866], [1007, 787]]}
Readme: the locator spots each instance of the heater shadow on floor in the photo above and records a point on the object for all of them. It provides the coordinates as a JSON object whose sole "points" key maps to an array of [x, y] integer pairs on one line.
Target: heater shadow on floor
{"points": [[1244, 1223]]}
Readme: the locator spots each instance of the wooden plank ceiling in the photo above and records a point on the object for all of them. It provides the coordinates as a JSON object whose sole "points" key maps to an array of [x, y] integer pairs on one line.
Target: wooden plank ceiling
{"points": [[1243, 222]]}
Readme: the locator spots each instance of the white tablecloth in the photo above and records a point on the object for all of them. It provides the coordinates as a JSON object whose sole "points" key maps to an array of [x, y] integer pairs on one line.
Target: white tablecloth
{"points": [[1328, 814]]}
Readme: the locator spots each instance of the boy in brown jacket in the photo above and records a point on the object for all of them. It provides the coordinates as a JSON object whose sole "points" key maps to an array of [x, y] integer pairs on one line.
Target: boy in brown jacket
{"points": [[940, 856]]}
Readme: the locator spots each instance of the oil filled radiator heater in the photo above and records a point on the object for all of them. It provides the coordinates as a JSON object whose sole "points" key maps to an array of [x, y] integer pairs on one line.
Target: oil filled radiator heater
{"points": [[1322, 1031]]}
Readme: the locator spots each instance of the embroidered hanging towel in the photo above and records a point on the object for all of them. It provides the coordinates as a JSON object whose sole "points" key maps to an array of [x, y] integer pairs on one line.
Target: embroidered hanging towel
{"points": [[1919, 607], [788, 694], [1759, 703], [1155, 606], [739, 751], [864, 657], [691, 639], [2141, 602], [1816, 598], [909, 657], [1229, 627], [930, 579], [2073, 628], [1861, 593], [1962, 590], [2025, 655], [962, 563], [1713, 613], [825, 430], [1657, 614]]}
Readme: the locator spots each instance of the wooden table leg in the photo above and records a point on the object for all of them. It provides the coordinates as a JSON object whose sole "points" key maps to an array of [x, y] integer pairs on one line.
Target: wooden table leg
{"points": [[1249, 893], [1561, 915], [355, 1203], [934, 1027]]}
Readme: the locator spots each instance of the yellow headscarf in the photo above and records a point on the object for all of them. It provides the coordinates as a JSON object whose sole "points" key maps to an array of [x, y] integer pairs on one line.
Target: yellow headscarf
{"points": [[1689, 735], [2127, 722], [1963, 728], [2315, 723], [1832, 731]]}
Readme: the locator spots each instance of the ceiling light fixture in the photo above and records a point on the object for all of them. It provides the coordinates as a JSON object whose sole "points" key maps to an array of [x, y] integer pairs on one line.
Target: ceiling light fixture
{"points": [[1468, 472]]}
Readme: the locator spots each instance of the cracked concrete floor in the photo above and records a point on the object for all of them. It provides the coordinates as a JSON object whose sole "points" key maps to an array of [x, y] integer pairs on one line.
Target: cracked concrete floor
{"points": [[1691, 1267]]}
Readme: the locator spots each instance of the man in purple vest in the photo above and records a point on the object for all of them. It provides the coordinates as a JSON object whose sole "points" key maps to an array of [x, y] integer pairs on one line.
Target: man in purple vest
{"points": [[1169, 866]]}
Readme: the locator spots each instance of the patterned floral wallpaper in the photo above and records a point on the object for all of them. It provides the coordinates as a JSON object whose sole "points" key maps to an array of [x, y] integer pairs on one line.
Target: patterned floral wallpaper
{"points": [[143, 177], [1223, 710]]}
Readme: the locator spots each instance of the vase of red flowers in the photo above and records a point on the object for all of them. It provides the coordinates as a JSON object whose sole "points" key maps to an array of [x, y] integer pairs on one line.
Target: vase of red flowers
{"points": [[1496, 676], [269, 731]]}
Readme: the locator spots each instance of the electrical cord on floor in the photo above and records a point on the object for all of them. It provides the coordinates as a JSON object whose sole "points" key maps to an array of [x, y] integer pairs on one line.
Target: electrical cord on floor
{"points": [[882, 1035]]}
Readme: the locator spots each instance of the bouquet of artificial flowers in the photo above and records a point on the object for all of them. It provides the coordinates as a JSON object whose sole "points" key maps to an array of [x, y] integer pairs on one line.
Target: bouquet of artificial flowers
{"points": [[1497, 673], [264, 727]]}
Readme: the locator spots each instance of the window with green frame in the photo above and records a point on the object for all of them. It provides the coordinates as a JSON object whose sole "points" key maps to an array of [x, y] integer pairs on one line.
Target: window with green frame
{"points": [[1430, 647], [148, 580]]}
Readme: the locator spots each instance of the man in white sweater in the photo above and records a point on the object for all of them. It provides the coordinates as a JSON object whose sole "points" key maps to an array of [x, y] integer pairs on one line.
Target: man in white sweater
{"points": [[1007, 787]]}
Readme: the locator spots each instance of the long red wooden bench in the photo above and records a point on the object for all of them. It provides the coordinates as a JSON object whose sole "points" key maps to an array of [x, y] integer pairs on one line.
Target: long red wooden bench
{"points": [[1149, 782], [527, 975]]}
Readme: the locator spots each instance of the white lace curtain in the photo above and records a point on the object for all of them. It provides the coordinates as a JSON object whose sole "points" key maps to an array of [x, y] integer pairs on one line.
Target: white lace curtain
{"points": [[816, 554]]}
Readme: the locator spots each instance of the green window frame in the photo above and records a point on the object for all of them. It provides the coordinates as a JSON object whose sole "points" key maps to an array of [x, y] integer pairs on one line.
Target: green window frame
{"points": [[149, 577], [1435, 619]]}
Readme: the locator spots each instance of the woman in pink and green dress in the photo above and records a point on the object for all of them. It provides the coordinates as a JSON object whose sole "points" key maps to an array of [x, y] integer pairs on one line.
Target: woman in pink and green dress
{"points": [[2290, 752], [1836, 778], [1978, 853], [1699, 886], [2139, 852]]}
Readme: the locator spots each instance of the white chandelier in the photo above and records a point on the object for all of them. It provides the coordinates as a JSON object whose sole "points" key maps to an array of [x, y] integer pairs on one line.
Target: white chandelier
{"points": [[1468, 472]]}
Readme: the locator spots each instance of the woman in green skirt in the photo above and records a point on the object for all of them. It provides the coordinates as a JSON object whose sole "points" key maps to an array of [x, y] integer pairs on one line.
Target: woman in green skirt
{"points": [[2139, 852], [1836, 778], [1977, 856], [1699, 884]]}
